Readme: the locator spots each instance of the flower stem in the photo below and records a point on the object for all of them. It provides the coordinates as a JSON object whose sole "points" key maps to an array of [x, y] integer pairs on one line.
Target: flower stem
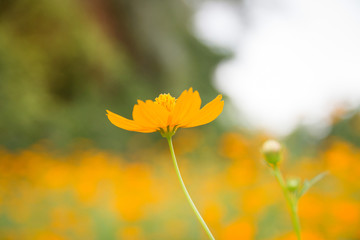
{"points": [[292, 202], [192, 205]]}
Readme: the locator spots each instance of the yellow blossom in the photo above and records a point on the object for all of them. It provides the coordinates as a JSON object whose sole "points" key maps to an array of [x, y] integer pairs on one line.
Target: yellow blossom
{"points": [[166, 114]]}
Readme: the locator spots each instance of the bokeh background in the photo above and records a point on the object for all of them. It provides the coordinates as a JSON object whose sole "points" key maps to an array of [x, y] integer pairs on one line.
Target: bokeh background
{"points": [[67, 173]]}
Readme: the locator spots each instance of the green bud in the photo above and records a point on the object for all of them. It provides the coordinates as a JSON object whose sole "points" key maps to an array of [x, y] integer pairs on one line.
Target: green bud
{"points": [[272, 152], [293, 184]]}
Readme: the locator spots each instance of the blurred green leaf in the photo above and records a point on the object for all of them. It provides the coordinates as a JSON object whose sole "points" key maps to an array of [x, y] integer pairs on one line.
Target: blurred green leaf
{"points": [[309, 183]]}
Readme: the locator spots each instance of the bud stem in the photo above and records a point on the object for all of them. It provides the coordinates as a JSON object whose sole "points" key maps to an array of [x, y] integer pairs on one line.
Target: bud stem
{"points": [[291, 202]]}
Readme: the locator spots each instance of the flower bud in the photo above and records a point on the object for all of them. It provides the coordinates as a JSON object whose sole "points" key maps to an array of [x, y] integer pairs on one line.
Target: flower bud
{"points": [[271, 150], [293, 184]]}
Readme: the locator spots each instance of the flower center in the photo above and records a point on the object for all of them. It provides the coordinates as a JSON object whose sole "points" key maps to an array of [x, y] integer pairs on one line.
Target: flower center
{"points": [[166, 100]]}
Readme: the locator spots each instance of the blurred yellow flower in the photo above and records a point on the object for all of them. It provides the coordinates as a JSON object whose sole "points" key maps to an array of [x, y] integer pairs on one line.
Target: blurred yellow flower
{"points": [[240, 229], [166, 114]]}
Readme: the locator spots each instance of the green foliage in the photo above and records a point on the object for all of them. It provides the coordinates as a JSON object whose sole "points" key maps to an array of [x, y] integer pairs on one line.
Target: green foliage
{"points": [[62, 63]]}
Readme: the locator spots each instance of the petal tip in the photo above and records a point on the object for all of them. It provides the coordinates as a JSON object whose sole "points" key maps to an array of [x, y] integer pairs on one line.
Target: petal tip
{"points": [[108, 112], [184, 92]]}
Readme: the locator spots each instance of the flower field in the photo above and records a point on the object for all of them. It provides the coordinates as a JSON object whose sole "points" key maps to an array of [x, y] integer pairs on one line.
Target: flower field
{"points": [[90, 193], [69, 171]]}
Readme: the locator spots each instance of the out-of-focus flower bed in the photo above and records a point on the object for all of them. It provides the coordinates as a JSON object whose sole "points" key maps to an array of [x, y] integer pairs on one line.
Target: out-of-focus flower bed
{"points": [[93, 194]]}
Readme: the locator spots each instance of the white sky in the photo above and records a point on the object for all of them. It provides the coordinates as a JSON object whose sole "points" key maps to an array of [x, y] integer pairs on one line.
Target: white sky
{"points": [[294, 59]]}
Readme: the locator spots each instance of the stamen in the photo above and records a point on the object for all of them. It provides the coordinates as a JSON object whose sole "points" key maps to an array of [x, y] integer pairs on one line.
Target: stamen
{"points": [[166, 100]]}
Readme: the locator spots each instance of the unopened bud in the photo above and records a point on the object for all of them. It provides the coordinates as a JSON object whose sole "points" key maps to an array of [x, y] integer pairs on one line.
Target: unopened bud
{"points": [[293, 184], [271, 150]]}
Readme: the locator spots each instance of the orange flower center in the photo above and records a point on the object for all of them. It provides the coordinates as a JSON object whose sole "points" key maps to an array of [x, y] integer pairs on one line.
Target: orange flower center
{"points": [[166, 100]]}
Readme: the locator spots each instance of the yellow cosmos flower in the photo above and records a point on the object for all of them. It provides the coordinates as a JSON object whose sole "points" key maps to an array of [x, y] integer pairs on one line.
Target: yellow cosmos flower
{"points": [[166, 114]]}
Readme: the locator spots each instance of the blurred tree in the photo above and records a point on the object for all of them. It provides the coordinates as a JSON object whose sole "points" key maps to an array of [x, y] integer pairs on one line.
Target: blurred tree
{"points": [[301, 143], [346, 126], [63, 62]]}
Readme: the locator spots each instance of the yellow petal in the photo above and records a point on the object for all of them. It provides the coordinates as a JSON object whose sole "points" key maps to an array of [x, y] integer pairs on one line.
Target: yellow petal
{"points": [[126, 124], [141, 118], [150, 114], [186, 108], [208, 113]]}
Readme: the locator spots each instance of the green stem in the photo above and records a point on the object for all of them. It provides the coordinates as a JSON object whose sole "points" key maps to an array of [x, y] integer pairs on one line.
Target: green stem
{"points": [[292, 202], [201, 220]]}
